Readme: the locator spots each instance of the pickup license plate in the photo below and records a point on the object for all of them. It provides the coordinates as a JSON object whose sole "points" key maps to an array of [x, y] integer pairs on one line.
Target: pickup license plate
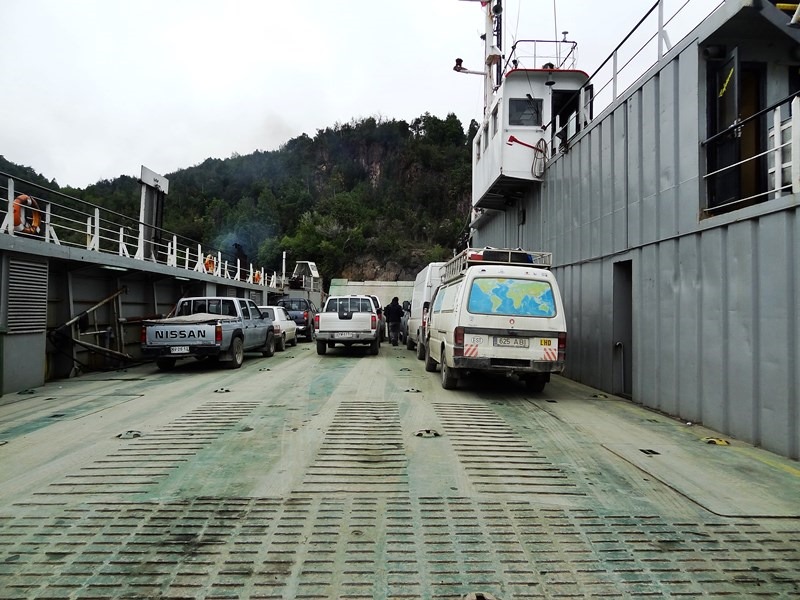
{"points": [[512, 342], [343, 334], [179, 350]]}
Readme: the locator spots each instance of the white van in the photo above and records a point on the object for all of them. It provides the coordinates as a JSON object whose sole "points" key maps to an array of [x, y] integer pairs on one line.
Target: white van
{"points": [[425, 285], [497, 310]]}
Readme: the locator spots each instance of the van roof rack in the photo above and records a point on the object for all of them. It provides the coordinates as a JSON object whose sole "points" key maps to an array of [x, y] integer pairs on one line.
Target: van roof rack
{"points": [[494, 256]]}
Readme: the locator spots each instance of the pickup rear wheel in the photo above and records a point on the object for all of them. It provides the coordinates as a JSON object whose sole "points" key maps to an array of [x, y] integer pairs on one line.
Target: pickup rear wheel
{"points": [[322, 347], [374, 347], [165, 364], [269, 346], [237, 353]]}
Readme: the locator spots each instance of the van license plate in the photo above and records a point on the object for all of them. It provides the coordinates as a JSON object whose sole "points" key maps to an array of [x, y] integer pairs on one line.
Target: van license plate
{"points": [[179, 350], [512, 342]]}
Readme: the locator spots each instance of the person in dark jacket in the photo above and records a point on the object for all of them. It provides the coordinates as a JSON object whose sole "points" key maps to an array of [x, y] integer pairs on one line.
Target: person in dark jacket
{"points": [[394, 315]]}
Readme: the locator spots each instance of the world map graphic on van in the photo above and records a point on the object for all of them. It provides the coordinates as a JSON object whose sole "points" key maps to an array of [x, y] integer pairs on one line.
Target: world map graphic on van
{"points": [[517, 297]]}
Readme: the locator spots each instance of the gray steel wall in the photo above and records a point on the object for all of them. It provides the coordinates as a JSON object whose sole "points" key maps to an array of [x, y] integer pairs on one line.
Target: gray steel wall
{"points": [[715, 301], [69, 282]]}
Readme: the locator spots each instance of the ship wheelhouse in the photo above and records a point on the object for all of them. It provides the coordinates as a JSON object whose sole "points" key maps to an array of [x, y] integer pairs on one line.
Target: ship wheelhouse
{"points": [[529, 120]]}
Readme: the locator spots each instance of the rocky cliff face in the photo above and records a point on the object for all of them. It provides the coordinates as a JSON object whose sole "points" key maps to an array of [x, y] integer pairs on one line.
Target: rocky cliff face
{"points": [[371, 269]]}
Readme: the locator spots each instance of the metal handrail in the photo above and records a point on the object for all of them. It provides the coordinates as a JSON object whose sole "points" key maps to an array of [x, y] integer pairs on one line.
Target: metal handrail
{"points": [[792, 126], [741, 122], [89, 226]]}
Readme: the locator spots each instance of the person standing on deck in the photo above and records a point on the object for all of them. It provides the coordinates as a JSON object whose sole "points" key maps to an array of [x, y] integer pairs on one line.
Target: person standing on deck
{"points": [[394, 315]]}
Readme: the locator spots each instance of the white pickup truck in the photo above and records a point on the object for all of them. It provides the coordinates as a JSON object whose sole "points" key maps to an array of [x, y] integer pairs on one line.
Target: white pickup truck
{"points": [[347, 320], [218, 327]]}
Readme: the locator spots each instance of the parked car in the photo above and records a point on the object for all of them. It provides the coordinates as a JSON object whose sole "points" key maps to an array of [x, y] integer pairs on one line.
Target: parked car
{"points": [[302, 311], [285, 328], [497, 310], [425, 284], [215, 327], [348, 320]]}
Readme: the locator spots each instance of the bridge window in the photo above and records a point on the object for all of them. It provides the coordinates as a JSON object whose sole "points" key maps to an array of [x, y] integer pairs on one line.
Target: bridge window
{"points": [[525, 112], [494, 120]]}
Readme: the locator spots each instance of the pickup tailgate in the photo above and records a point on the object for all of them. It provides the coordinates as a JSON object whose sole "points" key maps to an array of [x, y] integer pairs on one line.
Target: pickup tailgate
{"points": [[189, 330], [360, 321]]}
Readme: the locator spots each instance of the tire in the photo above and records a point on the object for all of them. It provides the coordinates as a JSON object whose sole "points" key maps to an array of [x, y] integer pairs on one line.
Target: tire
{"points": [[430, 364], [269, 346], [322, 347], [237, 354], [409, 343], [449, 377], [165, 364], [294, 340], [310, 334], [420, 349], [535, 383], [280, 345], [374, 347]]}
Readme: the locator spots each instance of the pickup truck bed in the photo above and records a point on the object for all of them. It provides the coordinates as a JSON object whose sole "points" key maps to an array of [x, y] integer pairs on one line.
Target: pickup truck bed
{"points": [[233, 328]]}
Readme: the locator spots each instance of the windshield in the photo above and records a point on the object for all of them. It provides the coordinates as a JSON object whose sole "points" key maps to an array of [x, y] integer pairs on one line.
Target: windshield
{"points": [[512, 297]]}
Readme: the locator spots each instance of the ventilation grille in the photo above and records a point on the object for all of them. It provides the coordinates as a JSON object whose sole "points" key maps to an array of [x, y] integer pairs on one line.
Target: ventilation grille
{"points": [[27, 296]]}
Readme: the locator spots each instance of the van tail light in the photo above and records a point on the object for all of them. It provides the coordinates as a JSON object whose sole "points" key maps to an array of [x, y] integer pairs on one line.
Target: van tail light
{"points": [[458, 341], [373, 322], [218, 334], [144, 335], [316, 321], [562, 346]]}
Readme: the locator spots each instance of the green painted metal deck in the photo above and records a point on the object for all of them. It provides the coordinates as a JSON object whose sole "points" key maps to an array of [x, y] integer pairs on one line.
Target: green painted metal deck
{"points": [[351, 476]]}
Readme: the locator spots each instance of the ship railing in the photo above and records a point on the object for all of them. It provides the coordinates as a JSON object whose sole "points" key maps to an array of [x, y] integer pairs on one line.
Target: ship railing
{"points": [[778, 158], [640, 49], [535, 54], [65, 220], [645, 45], [305, 282]]}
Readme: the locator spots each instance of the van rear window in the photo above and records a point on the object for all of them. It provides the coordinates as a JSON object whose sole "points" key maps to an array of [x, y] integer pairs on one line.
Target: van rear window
{"points": [[513, 297]]}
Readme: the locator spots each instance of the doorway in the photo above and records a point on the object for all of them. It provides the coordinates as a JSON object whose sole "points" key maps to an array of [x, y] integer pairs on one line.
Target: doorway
{"points": [[622, 375]]}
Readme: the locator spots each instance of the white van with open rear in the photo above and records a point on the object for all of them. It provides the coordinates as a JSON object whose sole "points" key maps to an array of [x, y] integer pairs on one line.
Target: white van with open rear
{"points": [[500, 311]]}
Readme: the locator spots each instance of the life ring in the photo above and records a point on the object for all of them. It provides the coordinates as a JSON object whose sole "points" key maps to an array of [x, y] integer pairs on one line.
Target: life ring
{"points": [[210, 264], [23, 222]]}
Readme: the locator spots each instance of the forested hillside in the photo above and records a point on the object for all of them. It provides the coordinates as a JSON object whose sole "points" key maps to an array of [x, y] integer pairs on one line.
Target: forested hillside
{"points": [[370, 199]]}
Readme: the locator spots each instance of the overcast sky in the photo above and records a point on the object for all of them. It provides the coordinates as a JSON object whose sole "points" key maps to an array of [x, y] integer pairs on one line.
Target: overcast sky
{"points": [[95, 88]]}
